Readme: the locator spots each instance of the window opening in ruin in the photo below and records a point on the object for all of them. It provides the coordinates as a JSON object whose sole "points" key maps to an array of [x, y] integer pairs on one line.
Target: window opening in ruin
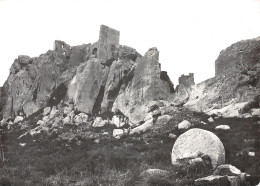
{"points": [[94, 51]]}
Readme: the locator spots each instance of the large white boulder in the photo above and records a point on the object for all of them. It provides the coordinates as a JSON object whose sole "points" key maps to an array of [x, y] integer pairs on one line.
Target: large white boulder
{"points": [[228, 170], [184, 125], [198, 141]]}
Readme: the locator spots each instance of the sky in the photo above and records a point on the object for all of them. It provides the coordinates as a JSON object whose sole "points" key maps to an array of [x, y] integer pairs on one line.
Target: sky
{"points": [[189, 34]]}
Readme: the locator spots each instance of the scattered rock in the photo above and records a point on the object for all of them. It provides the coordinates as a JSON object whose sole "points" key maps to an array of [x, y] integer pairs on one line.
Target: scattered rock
{"points": [[247, 115], [199, 140], [45, 118], [81, 118], [97, 141], [162, 120], [173, 136], [54, 111], [222, 127], [211, 120], [40, 122], [204, 123], [227, 169], [99, 122], [118, 133], [184, 125], [154, 173], [46, 111], [18, 119], [143, 128], [255, 112], [212, 180]]}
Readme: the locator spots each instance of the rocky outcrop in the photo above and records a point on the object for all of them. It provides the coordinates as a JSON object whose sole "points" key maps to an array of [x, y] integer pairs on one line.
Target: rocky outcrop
{"points": [[98, 78], [236, 83], [238, 57], [198, 141], [143, 84]]}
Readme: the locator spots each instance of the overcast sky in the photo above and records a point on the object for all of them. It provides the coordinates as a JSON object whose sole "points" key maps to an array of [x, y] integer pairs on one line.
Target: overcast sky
{"points": [[188, 33]]}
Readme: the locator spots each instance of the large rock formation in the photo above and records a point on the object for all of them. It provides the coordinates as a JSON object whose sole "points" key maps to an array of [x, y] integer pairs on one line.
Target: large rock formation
{"points": [[100, 77], [237, 81]]}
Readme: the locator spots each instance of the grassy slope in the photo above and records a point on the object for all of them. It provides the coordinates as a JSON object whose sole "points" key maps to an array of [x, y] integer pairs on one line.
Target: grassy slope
{"points": [[45, 160]]}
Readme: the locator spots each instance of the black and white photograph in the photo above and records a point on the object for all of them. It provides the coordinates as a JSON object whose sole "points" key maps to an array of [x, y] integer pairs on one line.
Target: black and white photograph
{"points": [[130, 93]]}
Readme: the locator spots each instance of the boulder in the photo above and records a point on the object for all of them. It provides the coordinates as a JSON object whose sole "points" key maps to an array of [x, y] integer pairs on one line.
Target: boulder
{"points": [[222, 127], [173, 136], [212, 180], [99, 122], [162, 120], [68, 109], [66, 120], [18, 119], [211, 120], [155, 173], [227, 170], [81, 118], [40, 122], [247, 115], [54, 111], [184, 125], [198, 140], [255, 112], [118, 133], [45, 118], [46, 111], [142, 128]]}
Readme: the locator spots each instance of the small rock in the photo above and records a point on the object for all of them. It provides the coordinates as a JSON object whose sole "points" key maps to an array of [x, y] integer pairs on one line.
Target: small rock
{"points": [[211, 120], [143, 128], [40, 122], [99, 122], [227, 170], [97, 141], [173, 136], [22, 144], [222, 127], [184, 125], [255, 112], [204, 123], [162, 120], [247, 115], [53, 112], [66, 120], [118, 133], [18, 119], [45, 118], [46, 111], [212, 180], [251, 154], [152, 173], [68, 109], [105, 133]]}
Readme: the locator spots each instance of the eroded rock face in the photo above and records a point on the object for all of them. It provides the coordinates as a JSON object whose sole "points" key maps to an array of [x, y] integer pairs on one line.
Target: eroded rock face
{"points": [[198, 141], [100, 77], [143, 84], [238, 57]]}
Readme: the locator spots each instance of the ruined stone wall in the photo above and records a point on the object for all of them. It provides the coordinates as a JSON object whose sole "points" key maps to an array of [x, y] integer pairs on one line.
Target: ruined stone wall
{"points": [[187, 80], [107, 38]]}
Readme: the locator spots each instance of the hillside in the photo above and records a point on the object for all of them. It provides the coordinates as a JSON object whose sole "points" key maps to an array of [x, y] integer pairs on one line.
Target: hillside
{"points": [[103, 114]]}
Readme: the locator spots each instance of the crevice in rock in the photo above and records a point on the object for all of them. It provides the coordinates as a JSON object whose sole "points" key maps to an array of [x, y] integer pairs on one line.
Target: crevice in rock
{"points": [[164, 76], [99, 99], [58, 94]]}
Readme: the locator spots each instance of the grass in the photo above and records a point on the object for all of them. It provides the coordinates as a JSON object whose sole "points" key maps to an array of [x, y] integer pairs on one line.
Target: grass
{"points": [[51, 160]]}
